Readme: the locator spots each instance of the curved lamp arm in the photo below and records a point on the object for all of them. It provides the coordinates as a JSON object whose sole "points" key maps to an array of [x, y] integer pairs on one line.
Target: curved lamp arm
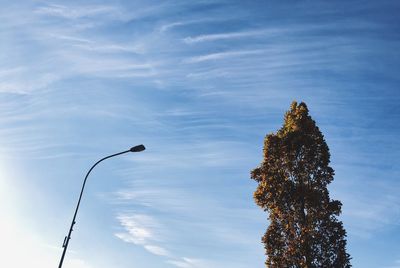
{"points": [[134, 149]]}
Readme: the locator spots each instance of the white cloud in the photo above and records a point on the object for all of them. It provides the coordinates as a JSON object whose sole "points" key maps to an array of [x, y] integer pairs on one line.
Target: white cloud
{"points": [[76, 263], [157, 250], [138, 229], [366, 213], [20, 84], [180, 264], [168, 26], [220, 36], [93, 45], [223, 55], [76, 12], [185, 262], [142, 230]]}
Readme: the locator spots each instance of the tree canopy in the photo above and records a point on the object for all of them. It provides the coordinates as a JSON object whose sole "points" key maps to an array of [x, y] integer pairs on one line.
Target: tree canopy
{"points": [[304, 230]]}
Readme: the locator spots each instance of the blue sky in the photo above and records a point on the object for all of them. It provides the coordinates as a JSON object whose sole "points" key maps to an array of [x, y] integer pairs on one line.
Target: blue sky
{"points": [[200, 83]]}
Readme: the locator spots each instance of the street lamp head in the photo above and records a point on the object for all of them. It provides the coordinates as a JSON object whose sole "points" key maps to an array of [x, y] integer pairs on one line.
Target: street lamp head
{"points": [[137, 148]]}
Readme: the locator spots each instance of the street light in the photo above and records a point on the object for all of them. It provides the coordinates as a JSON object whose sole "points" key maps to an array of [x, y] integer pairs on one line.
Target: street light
{"points": [[135, 149]]}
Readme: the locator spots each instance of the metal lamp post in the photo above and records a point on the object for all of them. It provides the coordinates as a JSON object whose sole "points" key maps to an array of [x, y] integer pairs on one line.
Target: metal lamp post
{"points": [[134, 149]]}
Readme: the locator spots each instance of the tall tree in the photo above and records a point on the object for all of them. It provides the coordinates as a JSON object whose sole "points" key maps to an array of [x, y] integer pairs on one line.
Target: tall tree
{"points": [[292, 181]]}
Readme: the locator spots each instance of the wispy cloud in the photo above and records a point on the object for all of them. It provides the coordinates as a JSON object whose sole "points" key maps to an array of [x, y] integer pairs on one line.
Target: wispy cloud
{"points": [[169, 26], [365, 216], [19, 81], [210, 154], [223, 55], [199, 84], [157, 250], [96, 45], [185, 262], [69, 12], [188, 263], [142, 230], [211, 222], [222, 36]]}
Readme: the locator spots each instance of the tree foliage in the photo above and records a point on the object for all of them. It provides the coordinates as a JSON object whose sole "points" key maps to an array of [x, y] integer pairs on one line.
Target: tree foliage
{"points": [[292, 187]]}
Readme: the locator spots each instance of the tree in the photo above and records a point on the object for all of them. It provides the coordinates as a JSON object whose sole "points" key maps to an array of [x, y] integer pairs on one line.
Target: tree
{"points": [[292, 181]]}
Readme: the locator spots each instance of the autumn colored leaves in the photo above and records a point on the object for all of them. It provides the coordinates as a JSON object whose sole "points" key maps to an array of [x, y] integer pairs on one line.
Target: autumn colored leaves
{"points": [[292, 187]]}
